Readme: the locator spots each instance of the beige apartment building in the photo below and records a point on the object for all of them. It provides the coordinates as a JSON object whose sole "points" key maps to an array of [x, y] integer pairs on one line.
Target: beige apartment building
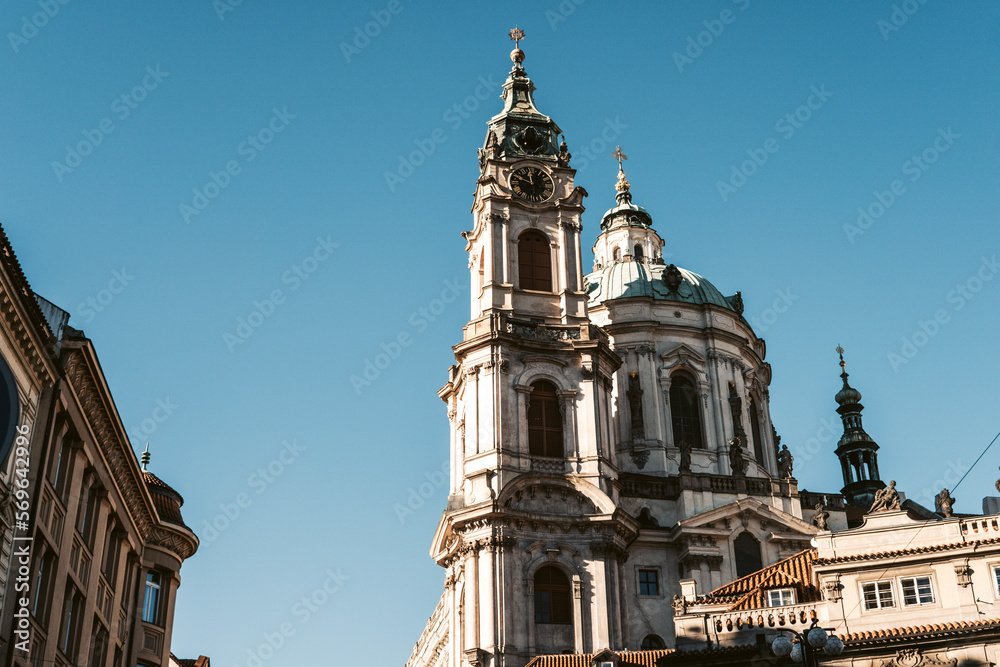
{"points": [[92, 543]]}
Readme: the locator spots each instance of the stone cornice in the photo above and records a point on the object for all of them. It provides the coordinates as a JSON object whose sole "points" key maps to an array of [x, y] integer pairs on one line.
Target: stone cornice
{"points": [[87, 384], [29, 323]]}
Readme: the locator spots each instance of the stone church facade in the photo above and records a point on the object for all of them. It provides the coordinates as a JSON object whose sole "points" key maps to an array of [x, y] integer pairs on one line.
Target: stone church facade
{"points": [[611, 435]]}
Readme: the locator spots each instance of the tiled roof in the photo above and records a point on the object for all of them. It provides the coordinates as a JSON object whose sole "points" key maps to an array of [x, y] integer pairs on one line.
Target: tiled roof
{"points": [[660, 657], [748, 592], [167, 501], [951, 628], [626, 659], [904, 552]]}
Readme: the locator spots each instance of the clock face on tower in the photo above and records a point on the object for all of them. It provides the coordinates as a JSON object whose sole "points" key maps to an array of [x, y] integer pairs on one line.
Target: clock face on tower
{"points": [[531, 184]]}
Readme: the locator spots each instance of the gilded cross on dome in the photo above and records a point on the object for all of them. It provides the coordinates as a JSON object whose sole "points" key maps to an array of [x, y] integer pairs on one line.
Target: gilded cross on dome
{"points": [[517, 35], [623, 185], [840, 351]]}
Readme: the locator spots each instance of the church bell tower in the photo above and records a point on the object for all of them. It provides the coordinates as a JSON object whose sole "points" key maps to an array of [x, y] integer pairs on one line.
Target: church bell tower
{"points": [[532, 539]]}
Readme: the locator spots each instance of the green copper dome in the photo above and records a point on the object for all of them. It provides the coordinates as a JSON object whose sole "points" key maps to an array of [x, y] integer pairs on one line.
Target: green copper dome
{"points": [[626, 280]]}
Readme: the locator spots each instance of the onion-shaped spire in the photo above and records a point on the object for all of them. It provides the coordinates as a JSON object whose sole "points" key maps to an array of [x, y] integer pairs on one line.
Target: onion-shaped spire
{"points": [[847, 394]]}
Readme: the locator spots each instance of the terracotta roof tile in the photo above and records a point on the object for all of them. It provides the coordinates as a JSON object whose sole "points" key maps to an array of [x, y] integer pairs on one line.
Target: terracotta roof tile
{"points": [[952, 627], [639, 658], [904, 552], [626, 659], [748, 592]]}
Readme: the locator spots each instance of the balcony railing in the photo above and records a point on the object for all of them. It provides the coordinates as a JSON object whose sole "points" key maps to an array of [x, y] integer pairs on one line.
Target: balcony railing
{"points": [[790, 616], [975, 527]]}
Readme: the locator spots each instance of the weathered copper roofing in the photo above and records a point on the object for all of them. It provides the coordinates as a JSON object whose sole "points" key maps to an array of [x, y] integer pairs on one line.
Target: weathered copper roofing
{"points": [[749, 592], [624, 280]]}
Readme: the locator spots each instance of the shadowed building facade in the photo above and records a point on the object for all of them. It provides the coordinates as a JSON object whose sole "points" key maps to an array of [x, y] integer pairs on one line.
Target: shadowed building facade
{"points": [[92, 543]]}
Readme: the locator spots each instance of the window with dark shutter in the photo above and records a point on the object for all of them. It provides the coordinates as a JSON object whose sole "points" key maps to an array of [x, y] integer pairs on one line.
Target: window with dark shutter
{"points": [[684, 411], [545, 429], [534, 262], [552, 596], [748, 558]]}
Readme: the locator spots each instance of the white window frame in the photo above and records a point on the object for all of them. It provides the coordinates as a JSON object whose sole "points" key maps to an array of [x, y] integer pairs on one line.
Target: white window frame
{"points": [[995, 571], [781, 597], [913, 578], [878, 599]]}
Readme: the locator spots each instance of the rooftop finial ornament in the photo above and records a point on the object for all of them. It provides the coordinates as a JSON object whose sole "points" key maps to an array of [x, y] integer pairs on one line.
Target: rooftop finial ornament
{"points": [[847, 394], [145, 457], [622, 186], [517, 55]]}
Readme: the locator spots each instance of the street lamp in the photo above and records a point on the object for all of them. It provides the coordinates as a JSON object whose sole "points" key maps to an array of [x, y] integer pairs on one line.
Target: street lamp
{"points": [[806, 647]]}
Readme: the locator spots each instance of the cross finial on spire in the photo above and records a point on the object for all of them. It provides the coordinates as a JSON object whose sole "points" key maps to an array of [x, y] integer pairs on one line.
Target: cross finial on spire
{"points": [[145, 457], [623, 186], [840, 351], [517, 35]]}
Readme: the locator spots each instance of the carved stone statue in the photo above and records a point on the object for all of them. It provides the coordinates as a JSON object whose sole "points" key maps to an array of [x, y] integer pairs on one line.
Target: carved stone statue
{"points": [[680, 605], [943, 503], [634, 394], [685, 464], [646, 519], [886, 499], [736, 460], [785, 460], [821, 518]]}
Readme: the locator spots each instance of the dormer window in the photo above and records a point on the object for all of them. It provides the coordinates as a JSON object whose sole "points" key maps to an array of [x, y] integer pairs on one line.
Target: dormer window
{"points": [[780, 597]]}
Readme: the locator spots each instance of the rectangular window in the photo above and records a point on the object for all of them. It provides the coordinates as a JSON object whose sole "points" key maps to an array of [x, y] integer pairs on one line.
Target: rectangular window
{"points": [[878, 595], [649, 583], [99, 646], [543, 607], [916, 590], [69, 637], [111, 553], [780, 597], [151, 600], [43, 578], [62, 468], [996, 578]]}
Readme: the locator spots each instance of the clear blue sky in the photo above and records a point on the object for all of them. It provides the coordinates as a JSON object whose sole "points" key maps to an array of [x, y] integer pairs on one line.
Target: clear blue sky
{"points": [[330, 123]]}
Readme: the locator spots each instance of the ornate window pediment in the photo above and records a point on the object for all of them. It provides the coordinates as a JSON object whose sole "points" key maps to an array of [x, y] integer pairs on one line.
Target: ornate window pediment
{"points": [[911, 657]]}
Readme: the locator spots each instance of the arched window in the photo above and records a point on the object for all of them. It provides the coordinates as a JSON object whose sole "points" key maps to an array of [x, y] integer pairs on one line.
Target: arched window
{"points": [[637, 252], [685, 412], [482, 270], [618, 254], [545, 428], [651, 643], [552, 596], [534, 262], [748, 559], [756, 433]]}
